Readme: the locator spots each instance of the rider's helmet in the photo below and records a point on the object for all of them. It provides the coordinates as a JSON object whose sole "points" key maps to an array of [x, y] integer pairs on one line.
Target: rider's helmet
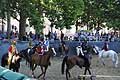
{"points": [[13, 42], [84, 42]]}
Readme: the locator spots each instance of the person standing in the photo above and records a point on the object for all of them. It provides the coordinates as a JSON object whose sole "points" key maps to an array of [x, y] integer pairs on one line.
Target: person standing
{"points": [[105, 46], [62, 36]]}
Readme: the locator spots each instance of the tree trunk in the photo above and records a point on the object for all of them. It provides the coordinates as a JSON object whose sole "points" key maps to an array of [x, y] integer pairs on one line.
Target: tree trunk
{"points": [[8, 24], [22, 25], [119, 33], [51, 26], [2, 25], [76, 26]]}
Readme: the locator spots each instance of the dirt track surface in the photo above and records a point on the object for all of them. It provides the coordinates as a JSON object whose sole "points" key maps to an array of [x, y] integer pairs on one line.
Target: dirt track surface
{"points": [[54, 71]]}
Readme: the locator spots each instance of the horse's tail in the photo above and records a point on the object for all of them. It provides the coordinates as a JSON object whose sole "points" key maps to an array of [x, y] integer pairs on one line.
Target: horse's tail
{"points": [[63, 64], [117, 59], [3, 60]]}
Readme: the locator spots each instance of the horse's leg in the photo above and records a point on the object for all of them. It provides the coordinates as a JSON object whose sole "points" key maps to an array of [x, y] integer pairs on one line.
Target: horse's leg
{"points": [[13, 66], [85, 72], [32, 68], [115, 60], [45, 72], [102, 60], [35, 65], [42, 72], [17, 69], [90, 73], [67, 73]]}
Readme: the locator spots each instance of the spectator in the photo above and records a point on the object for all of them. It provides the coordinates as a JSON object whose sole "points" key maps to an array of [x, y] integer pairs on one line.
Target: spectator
{"points": [[62, 36], [105, 46]]}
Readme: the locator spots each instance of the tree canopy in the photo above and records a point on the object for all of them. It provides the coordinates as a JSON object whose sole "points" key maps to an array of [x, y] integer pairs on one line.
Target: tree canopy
{"points": [[61, 13]]}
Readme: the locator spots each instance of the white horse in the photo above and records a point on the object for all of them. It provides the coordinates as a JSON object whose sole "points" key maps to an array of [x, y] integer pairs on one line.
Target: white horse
{"points": [[104, 54]]}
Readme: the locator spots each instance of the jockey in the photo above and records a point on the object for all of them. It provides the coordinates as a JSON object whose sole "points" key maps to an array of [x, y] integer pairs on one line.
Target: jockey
{"points": [[46, 44], [84, 46], [30, 46], [40, 48], [105, 47], [12, 50], [85, 51]]}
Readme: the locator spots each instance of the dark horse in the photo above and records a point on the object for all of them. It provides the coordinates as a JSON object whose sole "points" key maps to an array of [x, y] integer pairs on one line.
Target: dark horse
{"points": [[41, 60], [26, 53], [15, 66], [81, 61]]}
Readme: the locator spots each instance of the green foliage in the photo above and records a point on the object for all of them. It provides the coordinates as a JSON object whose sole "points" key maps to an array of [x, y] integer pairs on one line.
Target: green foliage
{"points": [[63, 13]]}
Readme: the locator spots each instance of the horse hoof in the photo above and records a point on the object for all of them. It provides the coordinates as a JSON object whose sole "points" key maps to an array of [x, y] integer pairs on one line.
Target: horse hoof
{"points": [[33, 76], [79, 77]]}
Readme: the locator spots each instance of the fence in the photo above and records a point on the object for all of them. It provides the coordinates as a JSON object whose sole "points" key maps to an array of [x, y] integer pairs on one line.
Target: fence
{"points": [[6, 74]]}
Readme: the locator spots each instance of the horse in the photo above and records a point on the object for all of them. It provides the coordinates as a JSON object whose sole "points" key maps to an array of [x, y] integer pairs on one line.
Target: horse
{"points": [[81, 60], [75, 60], [41, 60], [26, 53], [15, 66], [107, 54]]}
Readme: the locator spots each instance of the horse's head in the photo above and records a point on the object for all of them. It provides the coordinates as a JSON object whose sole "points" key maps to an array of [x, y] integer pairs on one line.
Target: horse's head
{"points": [[23, 53]]}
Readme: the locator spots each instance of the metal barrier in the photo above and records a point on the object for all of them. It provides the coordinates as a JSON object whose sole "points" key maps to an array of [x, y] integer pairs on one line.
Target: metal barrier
{"points": [[94, 77], [6, 74]]}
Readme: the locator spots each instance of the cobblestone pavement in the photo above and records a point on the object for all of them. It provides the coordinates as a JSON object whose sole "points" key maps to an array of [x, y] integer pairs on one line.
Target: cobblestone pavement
{"points": [[54, 71]]}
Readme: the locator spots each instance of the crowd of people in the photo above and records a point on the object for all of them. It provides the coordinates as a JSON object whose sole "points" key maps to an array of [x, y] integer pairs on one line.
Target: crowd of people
{"points": [[96, 37]]}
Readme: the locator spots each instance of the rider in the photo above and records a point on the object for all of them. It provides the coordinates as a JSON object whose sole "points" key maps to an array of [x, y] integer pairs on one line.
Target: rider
{"points": [[85, 51], [46, 44], [105, 47], [12, 51], [30, 46], [84, 46], [40, 47], [65, 48]]}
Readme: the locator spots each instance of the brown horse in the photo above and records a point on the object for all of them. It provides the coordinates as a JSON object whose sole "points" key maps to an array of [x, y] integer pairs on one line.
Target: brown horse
{"points": [[41, 60], [75, 60]]}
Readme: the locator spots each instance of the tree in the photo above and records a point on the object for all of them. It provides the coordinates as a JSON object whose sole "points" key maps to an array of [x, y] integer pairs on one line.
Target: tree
{"points": [[25, 9], [63, 13], [2, 13]]}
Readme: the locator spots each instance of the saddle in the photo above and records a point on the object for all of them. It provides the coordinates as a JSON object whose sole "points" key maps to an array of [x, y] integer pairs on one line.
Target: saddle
{"points": [[13, 59], [40, 51]]}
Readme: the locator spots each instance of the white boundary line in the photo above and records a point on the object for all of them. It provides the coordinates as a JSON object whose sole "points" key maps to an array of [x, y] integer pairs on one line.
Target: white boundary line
{"points": [[99, 76]]}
